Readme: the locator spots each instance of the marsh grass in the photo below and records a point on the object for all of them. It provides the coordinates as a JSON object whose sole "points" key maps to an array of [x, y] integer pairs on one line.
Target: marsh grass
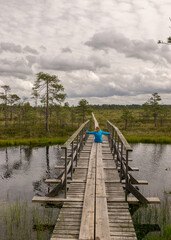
{"points": [[32, 142], [137, 130], [23, 221], [153, 215]]}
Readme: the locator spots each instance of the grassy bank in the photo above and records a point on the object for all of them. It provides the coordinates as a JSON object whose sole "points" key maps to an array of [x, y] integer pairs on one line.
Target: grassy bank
{"points": [[32, 141], [154, 140]]}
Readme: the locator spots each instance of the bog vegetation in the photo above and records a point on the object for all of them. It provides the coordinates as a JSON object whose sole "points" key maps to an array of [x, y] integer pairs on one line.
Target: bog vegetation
{"points": [[52, 120]]}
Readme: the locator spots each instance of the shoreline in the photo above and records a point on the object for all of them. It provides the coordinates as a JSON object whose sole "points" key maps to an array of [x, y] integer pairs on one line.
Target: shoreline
{"points": [[34, 142], [38, 142], [152, 140]]}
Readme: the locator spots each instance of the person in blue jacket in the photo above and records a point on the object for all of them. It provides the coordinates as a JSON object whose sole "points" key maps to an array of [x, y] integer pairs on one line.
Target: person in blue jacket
{"points": [[98, 135]]}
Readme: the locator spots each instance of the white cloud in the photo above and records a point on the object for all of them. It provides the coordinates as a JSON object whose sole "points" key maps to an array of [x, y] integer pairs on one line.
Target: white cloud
{"points": [[120, 63]]}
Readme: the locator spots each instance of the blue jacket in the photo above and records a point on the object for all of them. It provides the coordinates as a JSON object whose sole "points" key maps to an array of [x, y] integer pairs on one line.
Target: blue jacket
{"points": [[98, 135]]}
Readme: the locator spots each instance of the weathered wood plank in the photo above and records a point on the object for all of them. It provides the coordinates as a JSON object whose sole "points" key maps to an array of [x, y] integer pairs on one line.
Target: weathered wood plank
{"points": [[55, 199], [87, 220], [102, 220]]}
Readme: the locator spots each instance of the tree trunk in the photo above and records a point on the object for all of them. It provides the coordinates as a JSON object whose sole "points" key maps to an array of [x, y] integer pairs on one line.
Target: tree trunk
{"points": [[5, 112], [155, 121], [161, 122], [126, 124], [20, 117], [11, 114], [47, 108]]}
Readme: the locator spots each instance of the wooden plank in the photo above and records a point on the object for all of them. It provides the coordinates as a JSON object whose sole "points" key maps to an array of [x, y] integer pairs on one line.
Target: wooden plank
{"points": [[138, 182], [87, 220], [55, 199], [150, 200], [102, 220], [53, 180]]}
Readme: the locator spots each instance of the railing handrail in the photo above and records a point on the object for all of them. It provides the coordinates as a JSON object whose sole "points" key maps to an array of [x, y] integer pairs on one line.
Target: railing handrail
{"points": [[71, 139], [122, 138]]}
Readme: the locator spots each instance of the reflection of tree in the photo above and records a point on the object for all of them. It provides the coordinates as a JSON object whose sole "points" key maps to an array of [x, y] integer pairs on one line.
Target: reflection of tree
{"points": [[48, 167], [40, 186], [37, 185], [17, 164], [28, 152], [8, 171], [158, 152]]}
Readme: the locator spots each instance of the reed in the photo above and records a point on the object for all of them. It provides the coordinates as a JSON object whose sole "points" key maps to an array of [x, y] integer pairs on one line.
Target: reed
{"points": [[20, 220], [152, 216]]}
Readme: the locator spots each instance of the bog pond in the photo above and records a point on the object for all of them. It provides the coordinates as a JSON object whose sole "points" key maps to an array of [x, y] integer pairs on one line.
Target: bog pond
{"points": [[23, 171]]}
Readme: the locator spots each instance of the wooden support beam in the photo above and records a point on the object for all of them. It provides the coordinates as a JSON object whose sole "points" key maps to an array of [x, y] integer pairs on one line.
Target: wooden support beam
{"points": [[55, 199], [151, 200], [133, 168], [133, 200], [53, 180], [138, 182]]}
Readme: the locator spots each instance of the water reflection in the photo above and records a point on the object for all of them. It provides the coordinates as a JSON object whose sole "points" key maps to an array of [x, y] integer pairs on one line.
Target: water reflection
{"points": [[152, 160], [38, 186], [8, 171], [16, 164], [28, 152], [24, 169]]}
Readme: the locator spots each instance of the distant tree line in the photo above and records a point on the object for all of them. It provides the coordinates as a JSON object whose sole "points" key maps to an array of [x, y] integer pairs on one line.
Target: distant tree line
{"points": [[151, 110], [49, 93]]}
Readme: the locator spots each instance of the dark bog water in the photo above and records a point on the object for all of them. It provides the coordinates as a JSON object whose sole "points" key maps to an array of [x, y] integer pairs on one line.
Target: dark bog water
{"points": [[154, 163], [24, 169]]}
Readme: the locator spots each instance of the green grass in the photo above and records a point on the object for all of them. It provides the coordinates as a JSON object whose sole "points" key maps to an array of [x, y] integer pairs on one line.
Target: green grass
{"points": [[137, 130], [32, 141], [155, 140]]}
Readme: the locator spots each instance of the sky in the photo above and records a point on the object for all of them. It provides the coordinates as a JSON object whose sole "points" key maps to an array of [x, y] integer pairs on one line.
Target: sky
{"points": [[104, 51]]}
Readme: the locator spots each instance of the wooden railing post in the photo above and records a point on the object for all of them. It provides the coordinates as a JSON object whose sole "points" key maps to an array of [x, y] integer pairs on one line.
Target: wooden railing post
{"points": [[66, 172], [126, 180], [77, 151], [117, 149], [112, 145], [122, 158], [72, 158], [121, 167]]}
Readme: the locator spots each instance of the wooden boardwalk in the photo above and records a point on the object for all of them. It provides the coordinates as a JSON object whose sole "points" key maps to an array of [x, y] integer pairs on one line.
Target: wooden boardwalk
{"points": [[96, 206], [93, 215]]}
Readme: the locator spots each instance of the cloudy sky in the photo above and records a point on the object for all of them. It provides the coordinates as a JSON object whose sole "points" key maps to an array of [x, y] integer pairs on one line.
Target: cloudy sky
{"points": [[103, 50]]}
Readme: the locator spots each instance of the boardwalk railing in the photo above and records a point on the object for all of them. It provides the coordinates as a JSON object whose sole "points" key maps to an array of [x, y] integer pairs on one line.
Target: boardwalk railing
{"points": [[121, 149], [72, 148]]}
